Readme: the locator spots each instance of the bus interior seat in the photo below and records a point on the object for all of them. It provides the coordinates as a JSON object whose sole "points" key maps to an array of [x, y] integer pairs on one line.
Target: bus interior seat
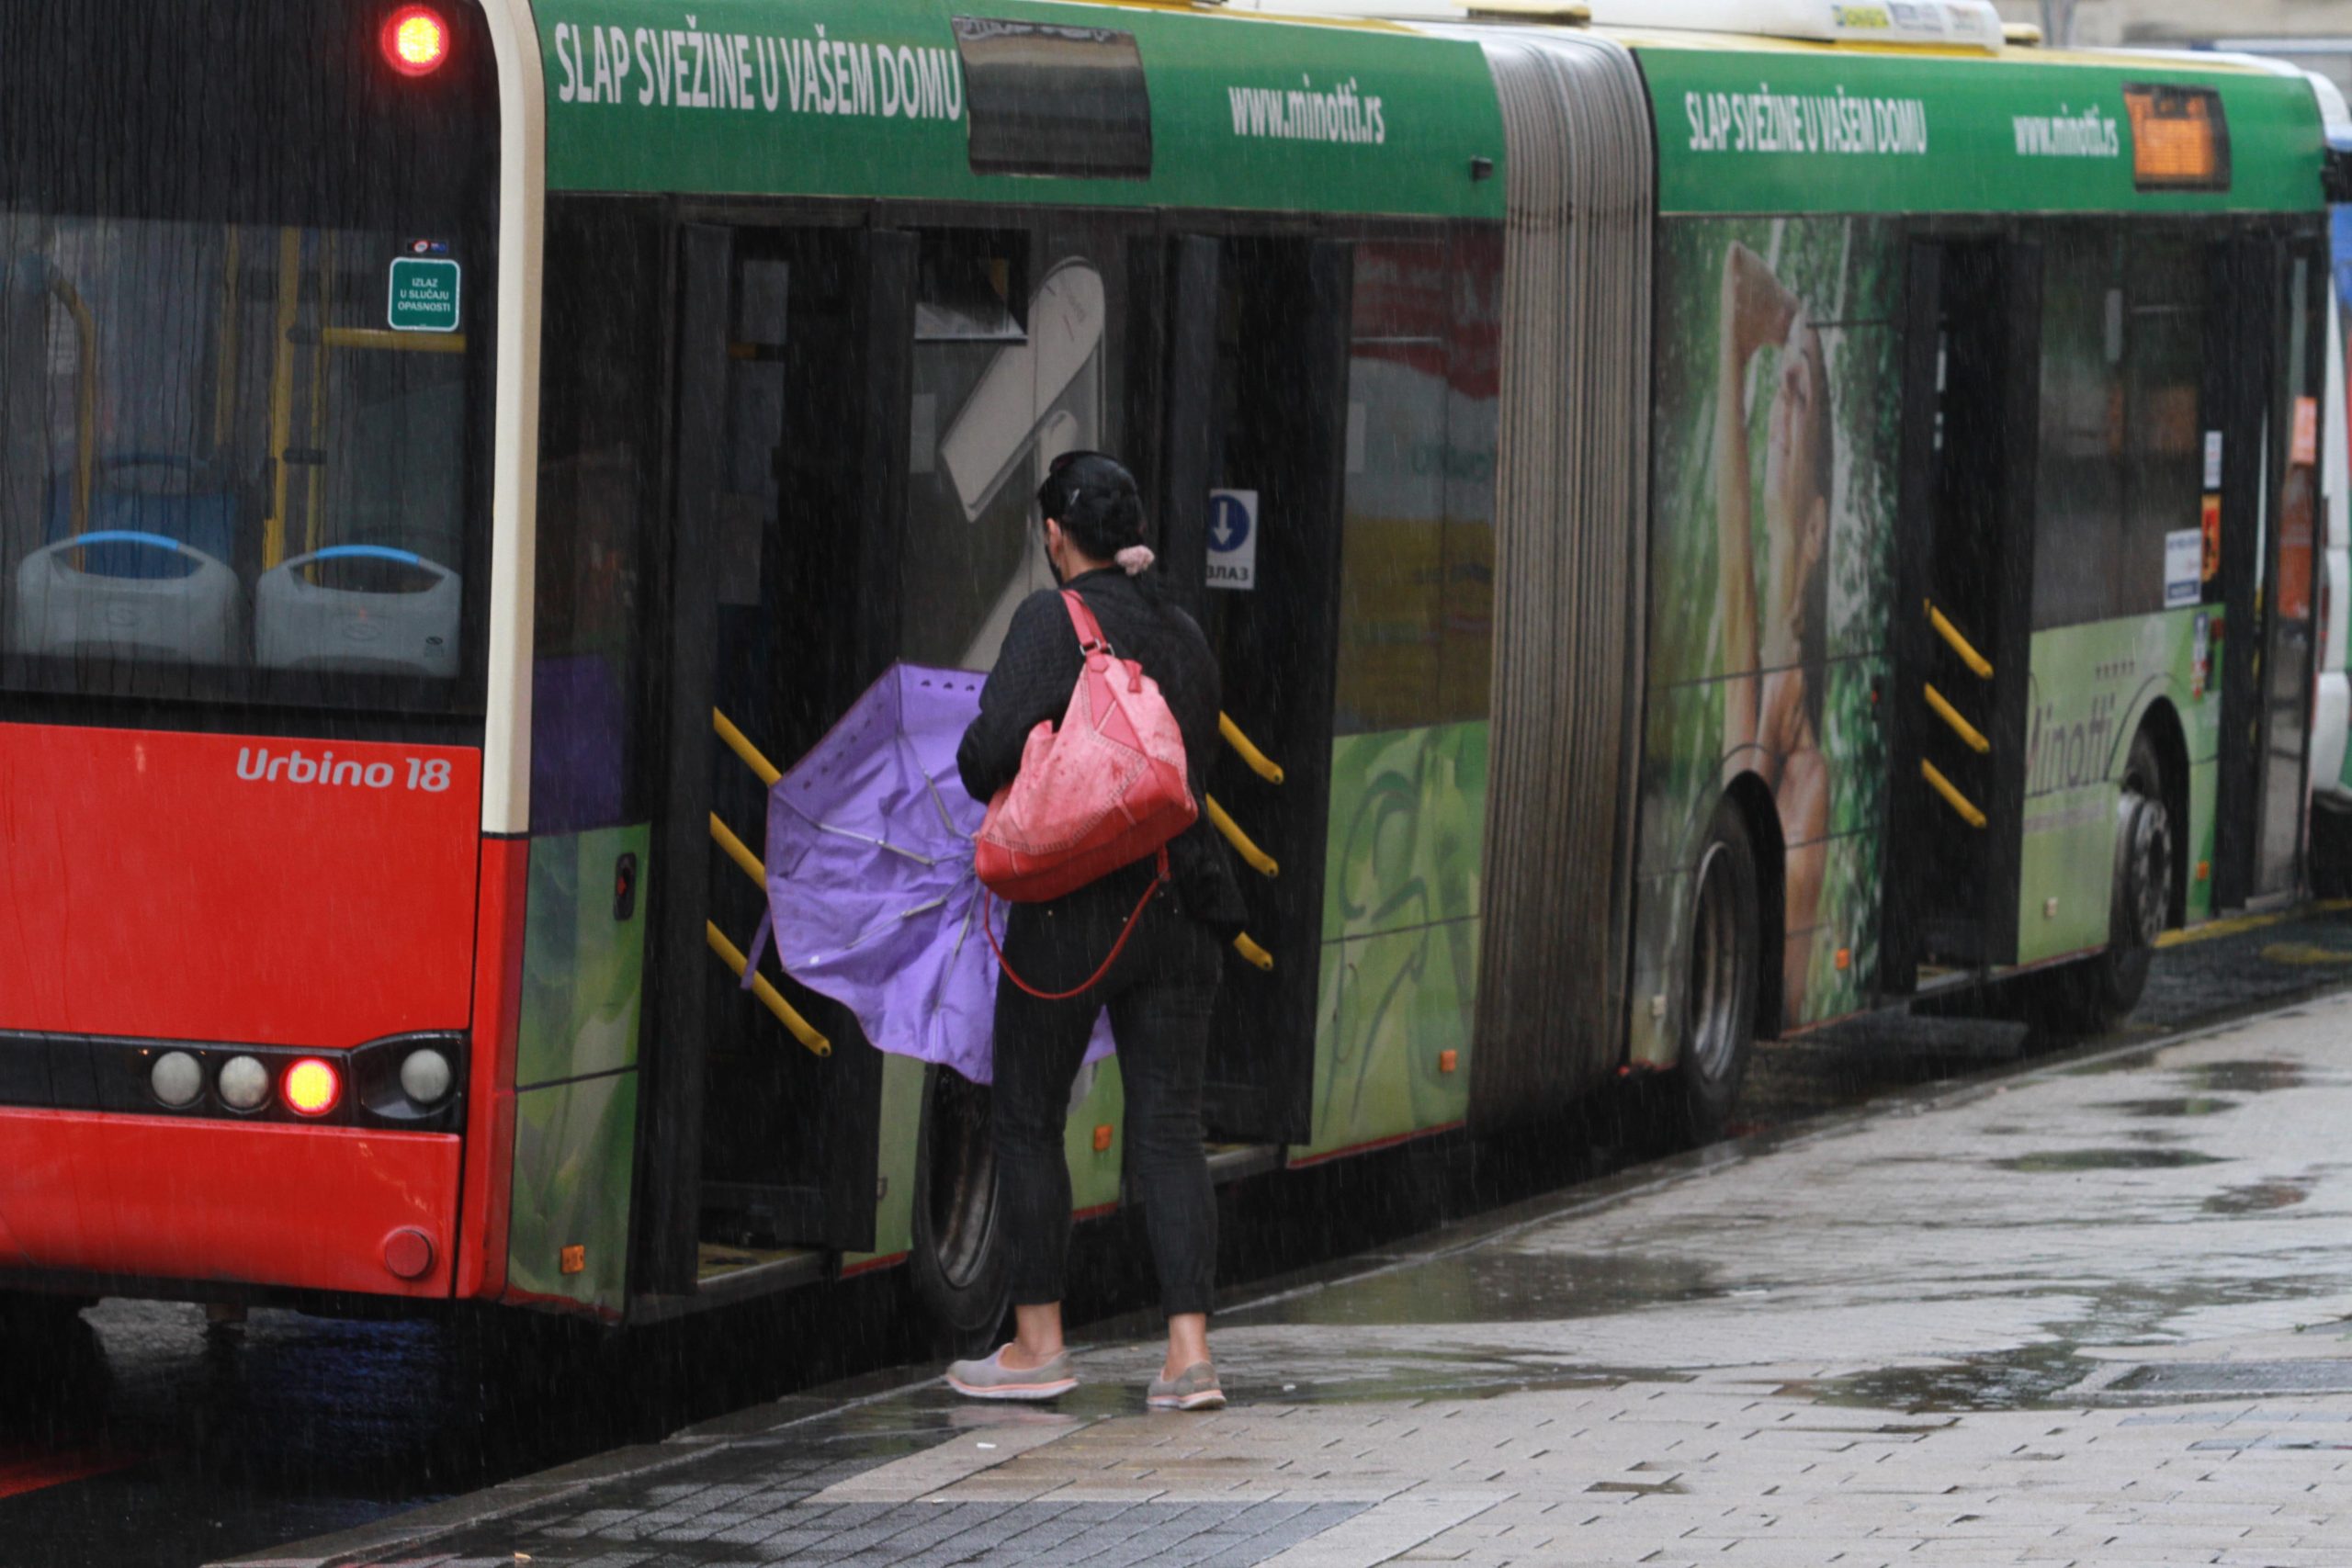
{"points": [[174, 604], [359, 608]]}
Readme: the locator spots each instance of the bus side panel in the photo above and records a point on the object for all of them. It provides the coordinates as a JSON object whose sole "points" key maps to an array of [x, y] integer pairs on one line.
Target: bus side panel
{"points": [[1404, 837], [1814, 355], [575, 1097], [490, 1104], [1400, 935], [2093, 686]]}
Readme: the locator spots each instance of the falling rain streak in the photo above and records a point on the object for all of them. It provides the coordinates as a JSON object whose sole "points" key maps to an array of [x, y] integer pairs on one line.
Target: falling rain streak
{"points": [[686, 68]]}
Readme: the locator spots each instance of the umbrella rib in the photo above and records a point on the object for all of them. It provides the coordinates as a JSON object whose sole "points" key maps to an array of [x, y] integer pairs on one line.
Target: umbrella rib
{"points": [[824, 827]]}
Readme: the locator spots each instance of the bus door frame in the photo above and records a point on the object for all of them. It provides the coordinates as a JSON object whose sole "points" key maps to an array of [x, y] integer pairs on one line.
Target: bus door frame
{"points": [[1983, 931], [1260, 1083], [682, 643], [2251, 403]]}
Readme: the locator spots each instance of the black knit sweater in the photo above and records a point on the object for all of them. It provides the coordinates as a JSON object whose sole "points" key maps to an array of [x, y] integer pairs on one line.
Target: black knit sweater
{"points": [[1034, 677]]}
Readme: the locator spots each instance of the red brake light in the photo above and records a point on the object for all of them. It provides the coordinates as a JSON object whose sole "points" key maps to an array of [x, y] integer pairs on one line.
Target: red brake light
{"points": [[416, 40], [313, 1086]]}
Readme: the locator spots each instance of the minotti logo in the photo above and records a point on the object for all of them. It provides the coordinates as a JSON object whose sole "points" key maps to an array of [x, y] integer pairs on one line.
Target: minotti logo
{"points": [[258, 765]]}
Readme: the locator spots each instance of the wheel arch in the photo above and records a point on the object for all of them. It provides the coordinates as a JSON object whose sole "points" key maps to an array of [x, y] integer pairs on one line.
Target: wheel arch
{"points": [[2161, 723], [1753, 799]]}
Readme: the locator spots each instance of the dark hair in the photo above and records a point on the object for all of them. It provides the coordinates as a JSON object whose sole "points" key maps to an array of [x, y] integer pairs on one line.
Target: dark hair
{"points": [[1096, 501]]}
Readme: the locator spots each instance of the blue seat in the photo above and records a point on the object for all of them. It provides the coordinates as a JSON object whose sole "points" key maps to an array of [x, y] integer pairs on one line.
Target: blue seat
{"points": [[202, 520]]}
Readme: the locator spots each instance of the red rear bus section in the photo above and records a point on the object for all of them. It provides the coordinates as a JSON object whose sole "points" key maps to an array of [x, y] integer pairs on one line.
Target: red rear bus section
{"points": [[247, 904], [259, 900]]}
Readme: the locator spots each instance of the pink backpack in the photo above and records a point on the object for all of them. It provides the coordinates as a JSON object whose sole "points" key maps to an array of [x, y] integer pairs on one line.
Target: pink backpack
{"points": [[1105, 790]]}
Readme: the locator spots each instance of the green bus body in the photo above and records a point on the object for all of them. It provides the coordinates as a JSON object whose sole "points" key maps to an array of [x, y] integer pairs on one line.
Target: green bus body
{"points": [[1826, 163]]}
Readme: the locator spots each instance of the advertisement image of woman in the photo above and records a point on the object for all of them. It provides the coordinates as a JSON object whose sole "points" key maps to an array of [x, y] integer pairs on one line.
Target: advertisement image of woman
{"points": [[1775, 611]]}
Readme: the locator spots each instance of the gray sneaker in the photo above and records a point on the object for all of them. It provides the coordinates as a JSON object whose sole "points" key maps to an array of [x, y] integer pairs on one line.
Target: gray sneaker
{"points": [[1194, 1388], [989, 1378]]}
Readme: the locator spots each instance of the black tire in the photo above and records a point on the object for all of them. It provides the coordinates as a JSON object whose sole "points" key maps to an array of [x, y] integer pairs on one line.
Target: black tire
{"points": [[29, 1319], [959, 1265], [1722, 969], [2331, 854], [2092, 995]]}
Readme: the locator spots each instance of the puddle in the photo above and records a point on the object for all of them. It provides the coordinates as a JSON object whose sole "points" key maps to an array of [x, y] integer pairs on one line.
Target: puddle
{"points": [[2055, 1161], [2016, 1380], [2122, 1062], [1493, 1286], [2188, 1105], [2257, 1077], [2258, 1198]]}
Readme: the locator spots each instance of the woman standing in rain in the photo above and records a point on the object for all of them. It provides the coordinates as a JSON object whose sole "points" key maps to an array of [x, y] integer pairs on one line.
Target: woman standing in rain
{"points": [[1776, 624], [1162, 987]]}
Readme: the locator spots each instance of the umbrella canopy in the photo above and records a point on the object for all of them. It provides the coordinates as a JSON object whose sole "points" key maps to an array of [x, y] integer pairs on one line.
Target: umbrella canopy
{"points": [[870, 884]]}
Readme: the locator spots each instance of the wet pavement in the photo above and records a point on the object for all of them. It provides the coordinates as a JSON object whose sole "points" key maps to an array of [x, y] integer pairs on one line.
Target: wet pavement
{"points": [[2094, 1309], [144, 1438]]}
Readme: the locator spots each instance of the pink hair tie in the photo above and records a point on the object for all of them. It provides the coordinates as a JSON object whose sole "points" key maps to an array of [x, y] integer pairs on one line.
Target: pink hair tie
{"points": [[1136, 559]]}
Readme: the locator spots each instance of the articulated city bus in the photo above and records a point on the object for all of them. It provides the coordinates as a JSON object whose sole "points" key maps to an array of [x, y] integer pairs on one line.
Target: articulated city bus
{"points": [[1707, 532]]}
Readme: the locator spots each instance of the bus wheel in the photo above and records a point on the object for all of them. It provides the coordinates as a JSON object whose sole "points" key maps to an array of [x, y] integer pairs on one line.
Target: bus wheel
{"points": [[2094, 995], [959, 1263], [1719, 994]]}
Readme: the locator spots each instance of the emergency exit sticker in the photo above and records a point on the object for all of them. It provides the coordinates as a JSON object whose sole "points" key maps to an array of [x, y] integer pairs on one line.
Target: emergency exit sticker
{"points": [[424, 294], [1233, 538]]}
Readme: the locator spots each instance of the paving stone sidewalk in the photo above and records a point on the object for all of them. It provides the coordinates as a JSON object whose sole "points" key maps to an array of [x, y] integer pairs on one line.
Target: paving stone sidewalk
{"points": [[2090, 1315]]}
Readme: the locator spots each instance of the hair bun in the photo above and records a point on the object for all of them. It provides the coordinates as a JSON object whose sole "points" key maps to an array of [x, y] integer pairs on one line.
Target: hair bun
{"points": [[1136, 559]]}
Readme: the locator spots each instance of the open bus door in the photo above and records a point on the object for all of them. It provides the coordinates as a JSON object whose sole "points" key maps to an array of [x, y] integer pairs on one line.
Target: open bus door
{"points": [[762, 1104], [1962, 622], [1258, 565], [2263, 389]]}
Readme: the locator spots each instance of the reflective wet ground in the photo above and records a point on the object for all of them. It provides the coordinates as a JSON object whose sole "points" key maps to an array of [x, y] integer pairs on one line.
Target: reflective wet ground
{"points": [[148, 1437]]}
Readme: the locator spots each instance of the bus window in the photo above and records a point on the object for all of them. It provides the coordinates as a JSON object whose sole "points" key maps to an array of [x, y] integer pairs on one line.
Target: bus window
{"points": [[2080, 481], [2123, 348], [243, 382], [1018, 346]]}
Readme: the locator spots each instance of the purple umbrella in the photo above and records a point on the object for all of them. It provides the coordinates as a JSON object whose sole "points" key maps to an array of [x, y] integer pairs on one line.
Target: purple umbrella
{"points": [[870, 884]]}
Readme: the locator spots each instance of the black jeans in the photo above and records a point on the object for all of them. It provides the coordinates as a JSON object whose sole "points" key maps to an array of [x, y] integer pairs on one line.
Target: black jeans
{"points": [[1160, 994]]}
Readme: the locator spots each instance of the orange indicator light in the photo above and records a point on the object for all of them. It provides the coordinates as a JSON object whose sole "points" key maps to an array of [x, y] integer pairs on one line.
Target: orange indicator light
{"points": [[1447, 1061], [573, 1261], [416, 40], [313, 1086], [1102, 1140]]}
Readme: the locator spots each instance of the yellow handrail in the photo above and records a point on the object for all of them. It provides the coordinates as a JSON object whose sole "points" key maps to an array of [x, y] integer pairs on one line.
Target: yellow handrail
{"points": [[1253, 952], [314, 522], [1952, 798], [392, 342], [281, 392], [1259, 860], [1260, 763], [1959, 727], [738, 743], [86, 397], [1968, 655], [732, 956], [739, 851]]}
